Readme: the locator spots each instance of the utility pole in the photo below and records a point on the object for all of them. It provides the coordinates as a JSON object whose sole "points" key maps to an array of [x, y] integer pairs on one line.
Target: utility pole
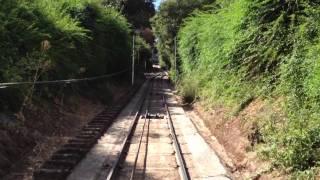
{"points": [[133, 58], [175, 60], [138, 57]]}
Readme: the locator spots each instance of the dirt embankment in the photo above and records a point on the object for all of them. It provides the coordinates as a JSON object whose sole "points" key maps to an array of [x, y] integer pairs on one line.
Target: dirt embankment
{"points": [[237, 136], [42, 129]]}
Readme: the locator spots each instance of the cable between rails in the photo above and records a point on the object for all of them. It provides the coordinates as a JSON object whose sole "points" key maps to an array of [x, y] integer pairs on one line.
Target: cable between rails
{"points": [[66, 81]]}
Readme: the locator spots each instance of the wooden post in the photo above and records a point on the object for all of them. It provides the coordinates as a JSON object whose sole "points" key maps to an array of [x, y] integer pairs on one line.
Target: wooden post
{"points": [[175, 60], [133, 58]]}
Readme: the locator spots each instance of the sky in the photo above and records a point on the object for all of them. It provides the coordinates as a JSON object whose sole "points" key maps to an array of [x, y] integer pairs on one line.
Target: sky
{"points": [[157, 3]]}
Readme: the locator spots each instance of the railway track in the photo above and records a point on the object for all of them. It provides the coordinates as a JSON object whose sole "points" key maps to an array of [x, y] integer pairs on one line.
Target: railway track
{"points": [[150, 149], [63, 161]]}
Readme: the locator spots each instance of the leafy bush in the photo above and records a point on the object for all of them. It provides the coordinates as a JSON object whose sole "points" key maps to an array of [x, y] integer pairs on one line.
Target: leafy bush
{"points": [[188, 90], [60, 39], [204, 44], [143, 53], [167, 22], [254, 48]]}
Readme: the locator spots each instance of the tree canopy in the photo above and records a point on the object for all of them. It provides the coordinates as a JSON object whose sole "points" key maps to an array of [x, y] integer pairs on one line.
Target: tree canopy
{"points": [[167, 22]]}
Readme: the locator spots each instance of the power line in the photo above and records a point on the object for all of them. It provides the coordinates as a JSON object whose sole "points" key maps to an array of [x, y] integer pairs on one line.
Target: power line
{"points": [[66, 81]]}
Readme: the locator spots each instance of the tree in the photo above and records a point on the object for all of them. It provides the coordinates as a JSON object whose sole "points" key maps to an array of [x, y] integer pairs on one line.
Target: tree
{"points": [[139, 12], [167, 22]]}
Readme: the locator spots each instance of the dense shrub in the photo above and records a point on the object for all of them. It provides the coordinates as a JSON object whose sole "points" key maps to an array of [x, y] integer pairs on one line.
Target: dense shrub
{"points": [[204, 44], [59, 39], [167, 22], [143, 52], [254, 48]]}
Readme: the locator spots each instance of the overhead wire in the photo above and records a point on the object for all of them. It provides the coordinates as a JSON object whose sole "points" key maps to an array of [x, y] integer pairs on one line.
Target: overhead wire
{"points": [[65, 81]]}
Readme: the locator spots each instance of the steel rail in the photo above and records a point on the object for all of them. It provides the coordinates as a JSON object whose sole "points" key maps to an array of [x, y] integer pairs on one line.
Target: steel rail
{"points": [[181, 162], [120, 155], [146, 118], [139, 147], [115, 165], [66, 158], [146, 150]]}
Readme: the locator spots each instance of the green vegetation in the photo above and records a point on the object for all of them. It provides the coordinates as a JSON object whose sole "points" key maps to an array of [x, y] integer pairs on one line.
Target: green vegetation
{"points": [[233, 51], [167, 22], [204, 44], [50, 40], [59, 39], [138, 12]]}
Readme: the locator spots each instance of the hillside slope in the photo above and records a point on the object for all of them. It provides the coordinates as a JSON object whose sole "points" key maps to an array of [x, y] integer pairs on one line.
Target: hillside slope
{"points": [[240, 51]]}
